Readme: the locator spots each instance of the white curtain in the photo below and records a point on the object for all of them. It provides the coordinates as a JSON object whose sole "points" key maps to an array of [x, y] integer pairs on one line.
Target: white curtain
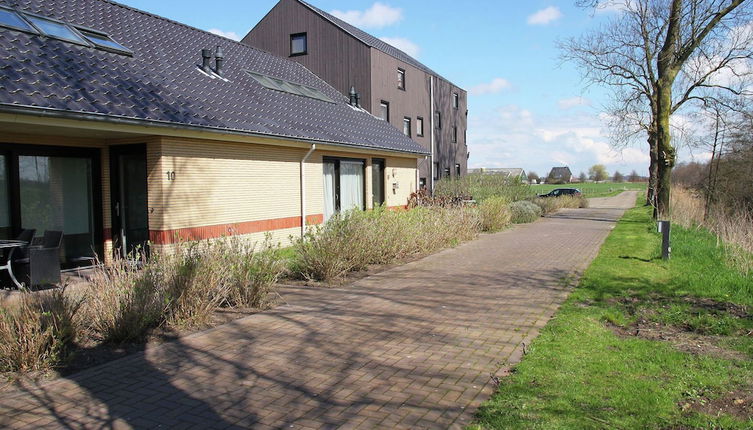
{"points": [[329, 190], [351, 185]]}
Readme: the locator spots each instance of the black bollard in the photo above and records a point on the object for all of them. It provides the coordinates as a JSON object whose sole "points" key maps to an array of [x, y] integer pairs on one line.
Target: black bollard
{"points": [[666, 248]]}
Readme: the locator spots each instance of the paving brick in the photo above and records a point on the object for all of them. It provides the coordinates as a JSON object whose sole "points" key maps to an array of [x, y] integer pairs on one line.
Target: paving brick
{"points": [[411, 347]]}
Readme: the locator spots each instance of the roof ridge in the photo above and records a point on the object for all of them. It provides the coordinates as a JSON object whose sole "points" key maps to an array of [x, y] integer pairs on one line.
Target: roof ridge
{"points": [[339, 23]]}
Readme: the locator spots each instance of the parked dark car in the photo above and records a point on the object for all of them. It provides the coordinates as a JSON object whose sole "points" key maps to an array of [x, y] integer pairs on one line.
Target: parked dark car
{"points": [[562, 192]]}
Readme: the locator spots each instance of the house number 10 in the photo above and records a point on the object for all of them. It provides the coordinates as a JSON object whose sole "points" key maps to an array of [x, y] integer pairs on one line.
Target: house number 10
{"points": [[170, 175]]}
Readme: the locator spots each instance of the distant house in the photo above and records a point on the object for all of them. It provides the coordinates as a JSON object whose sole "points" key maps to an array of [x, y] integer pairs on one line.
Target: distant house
{"points": [[514, 172], [559, 175], [121, 128]]}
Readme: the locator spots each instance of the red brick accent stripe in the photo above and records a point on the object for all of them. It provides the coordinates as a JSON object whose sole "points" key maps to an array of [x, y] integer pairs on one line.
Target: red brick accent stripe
{"points": [[165, 237]]}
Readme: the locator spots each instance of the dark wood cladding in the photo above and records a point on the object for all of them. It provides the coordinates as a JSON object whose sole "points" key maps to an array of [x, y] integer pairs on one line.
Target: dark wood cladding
{"points": [[333, 55], [413, 102], [449, 153]]}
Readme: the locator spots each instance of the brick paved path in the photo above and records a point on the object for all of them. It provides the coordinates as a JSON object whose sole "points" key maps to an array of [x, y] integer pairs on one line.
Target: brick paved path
{"points": [[412, 347]]}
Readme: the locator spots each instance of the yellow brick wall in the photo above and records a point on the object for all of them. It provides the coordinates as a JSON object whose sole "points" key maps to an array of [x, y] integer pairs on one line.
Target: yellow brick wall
{"points": [[400, 171], [222, 183]]}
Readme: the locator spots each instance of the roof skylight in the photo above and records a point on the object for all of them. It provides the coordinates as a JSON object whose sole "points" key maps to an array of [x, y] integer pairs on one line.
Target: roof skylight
{"points": [[289, 87], [55, 29], [102, 40], [49, 27], [11, 19]]}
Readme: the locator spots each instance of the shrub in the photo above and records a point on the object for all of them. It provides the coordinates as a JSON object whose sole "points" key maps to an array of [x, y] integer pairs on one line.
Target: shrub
{"points": [[179, 288], [37, 330], [547, 204], [351, 241], [252, 273], [524, 212], [552, 204], [123, 303], [481, 187], [495, 215], [327, 251]]}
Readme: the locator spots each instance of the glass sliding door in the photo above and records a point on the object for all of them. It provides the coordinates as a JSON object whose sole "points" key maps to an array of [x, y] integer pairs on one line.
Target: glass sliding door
{"points": [[56, 193], [351, 185], [343, 185], [330, 193]]}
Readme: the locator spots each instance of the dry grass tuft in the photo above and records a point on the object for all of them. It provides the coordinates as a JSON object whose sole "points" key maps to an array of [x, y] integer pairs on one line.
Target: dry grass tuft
{"points": [[37, 330]]}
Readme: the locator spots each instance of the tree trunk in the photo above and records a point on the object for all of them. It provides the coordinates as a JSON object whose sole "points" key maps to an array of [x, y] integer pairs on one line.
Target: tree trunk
{"points": [[652, 171], [665, 151]]}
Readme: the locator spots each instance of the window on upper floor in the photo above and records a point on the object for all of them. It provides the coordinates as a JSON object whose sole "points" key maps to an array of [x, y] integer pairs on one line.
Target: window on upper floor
{"points": [[419, 126], [454, 134], [401, 79], [384, 111], [298, 44], [406, 126], [437, 120], [455, 100], [446, 172], [436, 171], [457, 170]]}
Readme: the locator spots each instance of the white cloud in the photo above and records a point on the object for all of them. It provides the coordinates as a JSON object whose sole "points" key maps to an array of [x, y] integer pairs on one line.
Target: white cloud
{"points": [[572, 102], [545, 16], [495, 86], [229, 34], [403, 44], [379, 15], [512, 136], [609, 6]]}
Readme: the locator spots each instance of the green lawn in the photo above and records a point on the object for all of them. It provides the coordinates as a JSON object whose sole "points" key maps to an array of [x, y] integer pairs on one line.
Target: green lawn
{"points": [[606, 189], [640, 343]]}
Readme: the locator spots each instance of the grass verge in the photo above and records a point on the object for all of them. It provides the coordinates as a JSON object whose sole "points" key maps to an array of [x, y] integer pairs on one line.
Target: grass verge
{"points": [[641, 343]]}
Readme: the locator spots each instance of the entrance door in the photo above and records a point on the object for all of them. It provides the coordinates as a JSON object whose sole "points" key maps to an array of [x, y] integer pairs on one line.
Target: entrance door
{"points": [[377, 181], [130, 218]]}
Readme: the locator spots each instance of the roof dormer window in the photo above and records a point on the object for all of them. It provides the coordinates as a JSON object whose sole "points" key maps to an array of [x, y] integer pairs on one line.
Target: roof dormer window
{"points": [[56, 29], [103, 41], [11, 19]]}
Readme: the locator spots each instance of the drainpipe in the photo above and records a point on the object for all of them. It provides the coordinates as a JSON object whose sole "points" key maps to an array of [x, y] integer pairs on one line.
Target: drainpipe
{"points": [[303, 189], [431, 124]]}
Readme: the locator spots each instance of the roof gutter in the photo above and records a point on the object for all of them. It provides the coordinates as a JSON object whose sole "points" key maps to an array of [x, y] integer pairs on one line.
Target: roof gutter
{"points": [[102, 118]]}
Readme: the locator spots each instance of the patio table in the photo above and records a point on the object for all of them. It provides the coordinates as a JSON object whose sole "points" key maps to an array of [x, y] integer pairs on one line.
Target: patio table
{"points": [[12, 245]]}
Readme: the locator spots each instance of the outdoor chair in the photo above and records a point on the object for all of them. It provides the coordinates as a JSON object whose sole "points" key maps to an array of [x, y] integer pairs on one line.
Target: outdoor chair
{"points": [[27, 235], [42, 265]]}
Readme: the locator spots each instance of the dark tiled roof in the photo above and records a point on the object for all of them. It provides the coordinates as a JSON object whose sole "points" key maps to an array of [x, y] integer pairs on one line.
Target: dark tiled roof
{"points": [[372, 41], [160, 83], [560, 172]]}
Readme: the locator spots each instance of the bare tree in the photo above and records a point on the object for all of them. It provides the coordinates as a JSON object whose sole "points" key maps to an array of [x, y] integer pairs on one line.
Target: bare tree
{"points": [[658, 56]]}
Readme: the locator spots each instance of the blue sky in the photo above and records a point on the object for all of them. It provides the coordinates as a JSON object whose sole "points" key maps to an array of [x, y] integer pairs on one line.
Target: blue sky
{"points": [[526, 108]]}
